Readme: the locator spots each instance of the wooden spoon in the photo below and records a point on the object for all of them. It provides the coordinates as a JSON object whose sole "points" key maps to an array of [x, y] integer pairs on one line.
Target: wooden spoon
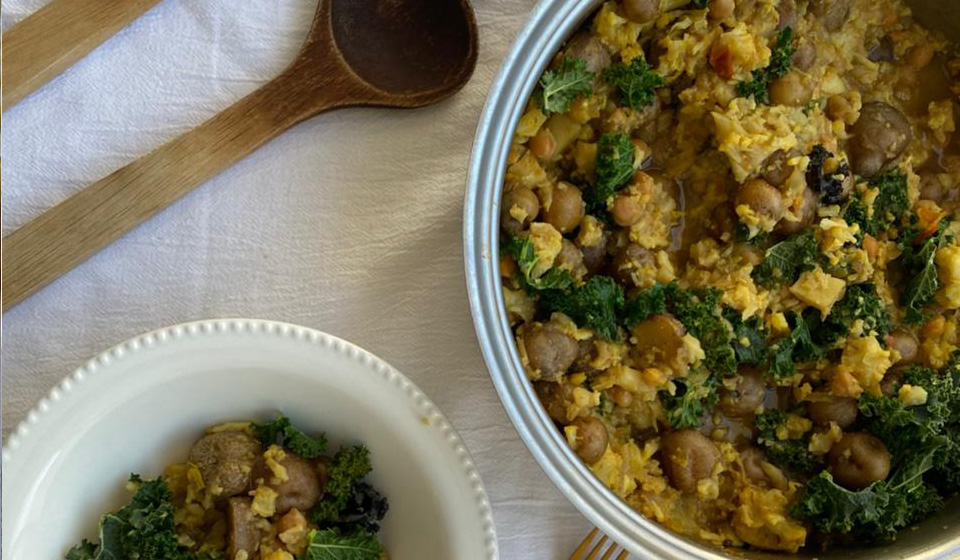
{"points": [[383, 53]]}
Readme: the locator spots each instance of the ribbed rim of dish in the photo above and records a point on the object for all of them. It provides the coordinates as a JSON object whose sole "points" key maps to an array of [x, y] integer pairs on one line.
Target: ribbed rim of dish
{"points": [[549, 24], [161, 337]]}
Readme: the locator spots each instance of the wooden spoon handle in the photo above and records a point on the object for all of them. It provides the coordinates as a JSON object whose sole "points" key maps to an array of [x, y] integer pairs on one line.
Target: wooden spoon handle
{"points": [[55, 37], [66, 235]]}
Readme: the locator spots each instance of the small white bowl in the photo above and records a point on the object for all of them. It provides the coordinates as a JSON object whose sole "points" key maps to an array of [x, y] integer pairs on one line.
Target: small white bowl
{"points": [[138, 407]]}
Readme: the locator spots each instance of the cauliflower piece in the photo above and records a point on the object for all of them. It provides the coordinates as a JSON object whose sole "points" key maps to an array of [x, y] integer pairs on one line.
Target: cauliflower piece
{"points": [[911, 395], [547, 243], [746, 51], [761, 520], [940, 120], [748, 134], [867, 362], [948, 267], [821, 442], [818, 289]]}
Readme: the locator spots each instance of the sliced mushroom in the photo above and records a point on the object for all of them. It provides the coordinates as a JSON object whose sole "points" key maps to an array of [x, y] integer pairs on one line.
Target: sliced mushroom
{"points": [[243, 534], [226, 460]]}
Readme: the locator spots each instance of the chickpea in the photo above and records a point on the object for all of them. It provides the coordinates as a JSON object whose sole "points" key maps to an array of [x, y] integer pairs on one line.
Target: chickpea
{"points": [[905, 344], [543, 145], [641, 11], [687, 457], [594, 256], [722, 9], [776, 169], [621, 397], [891, 381], [549, 351], [806, 214], [839, 108], [792, 90], [570, 258], [745, 397], [591, 440], [841, 410], [626, 210], [529, 205], [660, 337], [748, 253], [566, 208], [762, 197], [920, 56], [858, 460]]}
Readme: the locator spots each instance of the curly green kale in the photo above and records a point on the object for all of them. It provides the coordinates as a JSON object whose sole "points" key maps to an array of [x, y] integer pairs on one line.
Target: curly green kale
{"points": [[560, 86], [780, 62], [797, 347], [614, 164], [596, 305], [350, 465], [788, 453], [645, 305], [918, 262], [786, 261], [282, 432], [636, 82], [525, 255], [749, 337], [859, 302], [143, 529], [889, 206], [698, 309], [334, 544], [829, 185], [694, 397]]}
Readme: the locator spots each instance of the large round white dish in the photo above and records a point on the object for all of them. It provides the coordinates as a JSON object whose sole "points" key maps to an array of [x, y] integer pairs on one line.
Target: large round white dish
{"points": [[138, 406]]}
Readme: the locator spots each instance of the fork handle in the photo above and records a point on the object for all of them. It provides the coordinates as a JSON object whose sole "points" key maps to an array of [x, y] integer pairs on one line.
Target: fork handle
{"points": [[55, 37]]}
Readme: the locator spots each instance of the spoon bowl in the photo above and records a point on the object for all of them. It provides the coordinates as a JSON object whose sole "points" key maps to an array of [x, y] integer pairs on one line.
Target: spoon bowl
{"points": [[359, 53]]}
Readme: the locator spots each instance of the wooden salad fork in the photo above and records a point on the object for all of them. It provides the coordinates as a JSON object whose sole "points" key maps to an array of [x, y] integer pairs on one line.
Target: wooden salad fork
{"points": [[602, 548], [359, 53]]}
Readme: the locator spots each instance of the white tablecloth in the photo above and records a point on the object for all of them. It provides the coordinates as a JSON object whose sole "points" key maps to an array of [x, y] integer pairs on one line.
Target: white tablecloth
{"points": [[349, 223]]}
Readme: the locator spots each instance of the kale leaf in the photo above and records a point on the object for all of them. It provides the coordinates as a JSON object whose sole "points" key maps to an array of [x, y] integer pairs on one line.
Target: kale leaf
{"points": [[143, 529], [829, 185], [596, 305], [334, 544], [614, 163], [918, 262], [350, 465], [645, 305], [889, 206], [282, 432], [693, 398], [636, 81], [698, 309], [364, 509], [859, 302], [797, 347], [525, 255], [749, 337], [559, 87], [786, 261], [759, 84], [700, 3], [787, 453]]}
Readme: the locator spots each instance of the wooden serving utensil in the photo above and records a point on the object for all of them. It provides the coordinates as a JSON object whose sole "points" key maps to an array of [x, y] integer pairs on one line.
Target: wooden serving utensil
{"points": [[374, 53], [53, 38]]}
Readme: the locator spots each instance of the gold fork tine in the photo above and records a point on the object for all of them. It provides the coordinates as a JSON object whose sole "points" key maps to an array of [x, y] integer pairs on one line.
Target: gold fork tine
{"points": [[622, 555], [582, 549], [597, 548]]}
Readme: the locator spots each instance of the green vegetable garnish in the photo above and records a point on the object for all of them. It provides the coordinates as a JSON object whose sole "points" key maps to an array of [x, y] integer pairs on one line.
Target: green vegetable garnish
{"points": [[350, 466], [889, 206], [859, 302], [523, 252], [144, 529], [595, 305], [333, 544], [749, 337], [281, 432], [636, 82], [615, 159], [786, 261], [759, 84], [788, 453], [699, 311], [645, 305], [797, 347], [695, 396], [559, 87], [918, 261]]}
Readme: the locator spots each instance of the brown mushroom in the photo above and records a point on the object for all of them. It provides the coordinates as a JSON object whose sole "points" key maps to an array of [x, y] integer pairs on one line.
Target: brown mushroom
{"points": [[591, 438], [242, 532], [687, 457], [518, 208], [565, 207], [301, 489], [878, 137], [858, 460], [841, 410], [550, 351], [746, 395], [225, 460]]}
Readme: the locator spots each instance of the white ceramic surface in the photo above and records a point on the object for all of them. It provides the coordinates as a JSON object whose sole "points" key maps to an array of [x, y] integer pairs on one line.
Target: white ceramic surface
{"points": [[139, 405]]}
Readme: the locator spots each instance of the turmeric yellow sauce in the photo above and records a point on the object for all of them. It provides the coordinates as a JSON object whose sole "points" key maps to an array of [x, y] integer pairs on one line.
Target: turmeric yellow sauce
{"points": [[730, 257]]}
